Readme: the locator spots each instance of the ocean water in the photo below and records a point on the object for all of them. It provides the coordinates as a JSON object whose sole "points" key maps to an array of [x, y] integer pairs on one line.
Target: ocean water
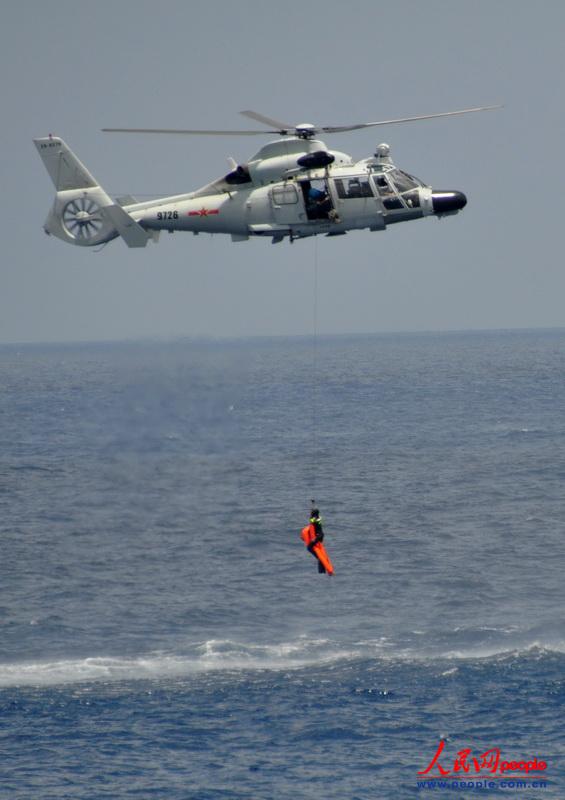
{"points": [[163, 631]]}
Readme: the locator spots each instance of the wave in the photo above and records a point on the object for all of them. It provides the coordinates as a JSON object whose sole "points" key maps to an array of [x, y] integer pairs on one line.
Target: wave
{"points": [[224, 655], [210, 656], [493, 651]]}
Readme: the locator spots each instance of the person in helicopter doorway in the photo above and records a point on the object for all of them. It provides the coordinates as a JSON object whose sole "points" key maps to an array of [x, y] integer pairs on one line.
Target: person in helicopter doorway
{"points": [[316, 534], [319, 203]]}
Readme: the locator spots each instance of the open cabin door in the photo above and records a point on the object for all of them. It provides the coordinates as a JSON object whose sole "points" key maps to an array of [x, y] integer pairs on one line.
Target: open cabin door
{"points": [[317, 200]]}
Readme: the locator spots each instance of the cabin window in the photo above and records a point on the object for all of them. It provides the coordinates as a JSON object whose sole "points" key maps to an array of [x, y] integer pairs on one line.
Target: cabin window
{"points": [[284, 195], [353, 188]]}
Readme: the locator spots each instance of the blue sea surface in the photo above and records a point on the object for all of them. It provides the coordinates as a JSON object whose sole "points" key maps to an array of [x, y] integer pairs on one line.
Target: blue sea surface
{"points": [[165, 634]]}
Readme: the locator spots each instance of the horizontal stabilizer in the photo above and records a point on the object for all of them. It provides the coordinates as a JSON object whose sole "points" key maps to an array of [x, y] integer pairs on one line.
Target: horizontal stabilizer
{"points": [[126, 200], [130, 231]]}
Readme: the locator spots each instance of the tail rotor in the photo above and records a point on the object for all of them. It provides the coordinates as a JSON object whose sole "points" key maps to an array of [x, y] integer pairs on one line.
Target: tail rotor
{"points": [[82, 218]]}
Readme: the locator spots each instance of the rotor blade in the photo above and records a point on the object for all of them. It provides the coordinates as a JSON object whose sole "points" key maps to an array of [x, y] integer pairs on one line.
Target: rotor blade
{"points": [[192, 132], [284, 128], [281, 126], [342, 128]]}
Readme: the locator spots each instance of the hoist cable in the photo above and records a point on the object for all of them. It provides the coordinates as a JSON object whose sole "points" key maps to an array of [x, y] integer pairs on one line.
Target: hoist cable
{"points": [[314, 376]]}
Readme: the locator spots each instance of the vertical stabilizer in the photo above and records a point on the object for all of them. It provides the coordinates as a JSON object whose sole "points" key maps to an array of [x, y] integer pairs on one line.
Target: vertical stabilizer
{"points": [[64, 168]]}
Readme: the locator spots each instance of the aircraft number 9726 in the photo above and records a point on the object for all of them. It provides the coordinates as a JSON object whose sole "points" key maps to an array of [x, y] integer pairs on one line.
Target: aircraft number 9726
{"points": [[167, 214]]}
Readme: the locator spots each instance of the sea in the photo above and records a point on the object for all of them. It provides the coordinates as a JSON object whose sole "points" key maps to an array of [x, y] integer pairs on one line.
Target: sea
{"points": [[164, 633]]}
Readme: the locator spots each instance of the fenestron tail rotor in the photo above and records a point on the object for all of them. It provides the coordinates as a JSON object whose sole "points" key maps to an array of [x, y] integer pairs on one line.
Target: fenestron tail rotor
{"points": [[82, 218]]}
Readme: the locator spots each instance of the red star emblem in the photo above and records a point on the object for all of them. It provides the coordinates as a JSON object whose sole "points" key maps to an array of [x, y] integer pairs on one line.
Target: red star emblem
{"points": [[204, 212]]}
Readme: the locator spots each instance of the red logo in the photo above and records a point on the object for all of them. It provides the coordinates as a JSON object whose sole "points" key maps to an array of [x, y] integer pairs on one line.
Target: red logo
{"points": [[204, 212], [489, 761]]}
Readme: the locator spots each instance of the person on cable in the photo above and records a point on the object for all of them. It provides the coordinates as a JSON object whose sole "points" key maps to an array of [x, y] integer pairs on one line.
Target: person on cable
{"points": [[313, 536]]}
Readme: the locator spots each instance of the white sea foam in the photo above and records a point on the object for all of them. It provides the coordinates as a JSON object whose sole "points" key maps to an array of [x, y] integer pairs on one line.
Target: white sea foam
{"points": [[217, 655], [501, 651], [209, 656]]}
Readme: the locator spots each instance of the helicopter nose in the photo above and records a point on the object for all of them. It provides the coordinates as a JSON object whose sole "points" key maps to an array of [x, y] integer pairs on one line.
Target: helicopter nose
{"points": [[448, 202]]}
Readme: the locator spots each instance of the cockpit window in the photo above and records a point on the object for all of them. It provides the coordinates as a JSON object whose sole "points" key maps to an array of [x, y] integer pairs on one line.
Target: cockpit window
{"points": [[392, 203], [383, 185], [403, 181], [412, 199], [402, 189]]}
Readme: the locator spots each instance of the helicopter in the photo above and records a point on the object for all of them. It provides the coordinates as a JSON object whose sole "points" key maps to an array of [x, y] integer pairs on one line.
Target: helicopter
{"points": [[294, 187]]}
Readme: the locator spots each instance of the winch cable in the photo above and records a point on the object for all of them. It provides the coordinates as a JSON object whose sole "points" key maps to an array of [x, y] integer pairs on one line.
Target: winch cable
{"points": [[314, 376]]}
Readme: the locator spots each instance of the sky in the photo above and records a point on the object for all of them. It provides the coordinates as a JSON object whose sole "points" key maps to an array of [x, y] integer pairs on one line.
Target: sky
{"points": [[72, 68]]}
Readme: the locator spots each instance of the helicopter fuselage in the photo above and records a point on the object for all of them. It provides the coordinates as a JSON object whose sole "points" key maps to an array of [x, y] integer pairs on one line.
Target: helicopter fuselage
{"points": [[292, 188]]}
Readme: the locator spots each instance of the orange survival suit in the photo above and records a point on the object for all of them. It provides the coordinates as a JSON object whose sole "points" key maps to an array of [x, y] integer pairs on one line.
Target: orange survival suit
{"points": [[313, 536]]}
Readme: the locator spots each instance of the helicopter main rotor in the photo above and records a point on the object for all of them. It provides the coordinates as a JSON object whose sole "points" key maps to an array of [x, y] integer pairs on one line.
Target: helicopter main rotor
{"points": [[304, 130]]}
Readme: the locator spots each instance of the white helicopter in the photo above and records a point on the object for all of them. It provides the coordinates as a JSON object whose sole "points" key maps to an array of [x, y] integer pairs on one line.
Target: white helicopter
{"points": [[293, 187]]}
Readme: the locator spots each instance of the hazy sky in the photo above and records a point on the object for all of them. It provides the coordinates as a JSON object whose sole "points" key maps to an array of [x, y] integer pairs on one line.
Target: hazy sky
{"points": [[71, 68]]}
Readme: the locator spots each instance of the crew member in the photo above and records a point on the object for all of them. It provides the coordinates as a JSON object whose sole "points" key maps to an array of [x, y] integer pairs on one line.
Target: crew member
{"points": [[313, 534], [319, 203]]}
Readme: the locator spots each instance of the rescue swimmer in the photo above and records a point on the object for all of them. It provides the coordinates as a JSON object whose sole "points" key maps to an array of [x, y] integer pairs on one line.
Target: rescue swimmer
{"points": [[313, 536]]}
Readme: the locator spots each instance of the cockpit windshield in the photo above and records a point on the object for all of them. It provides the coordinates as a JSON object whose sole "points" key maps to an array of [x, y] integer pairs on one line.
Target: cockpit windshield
{"points": [[398, 189], [403, 181]]}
